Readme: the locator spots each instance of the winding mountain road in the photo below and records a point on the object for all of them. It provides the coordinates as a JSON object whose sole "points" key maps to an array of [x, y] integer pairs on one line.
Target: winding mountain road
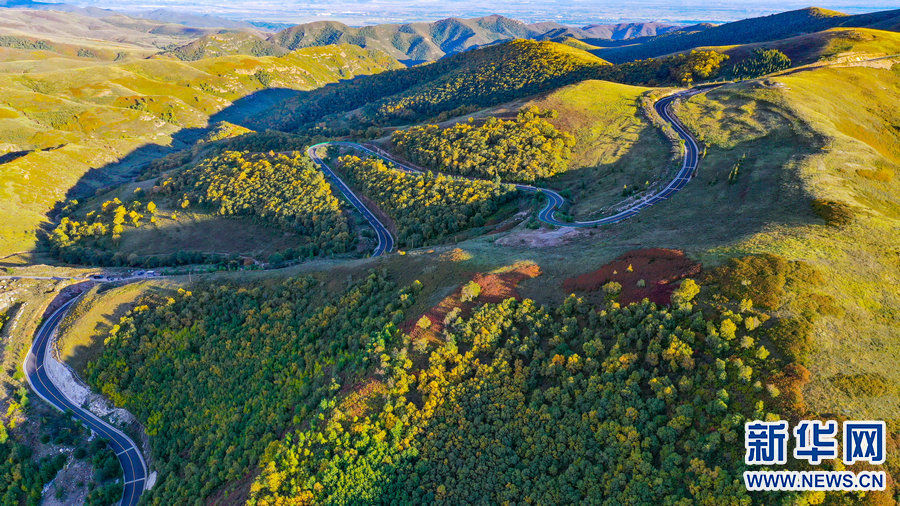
{"points": [[555, 201], [128, 453]]}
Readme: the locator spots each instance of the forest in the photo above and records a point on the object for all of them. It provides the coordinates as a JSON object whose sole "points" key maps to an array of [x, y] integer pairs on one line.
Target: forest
{"points": [[22, 478], [761, 62], [218, 373], [275, 189], [560, 405], [280, 189], [426, 208], [23, 475], [683, 69], [521, 150]]}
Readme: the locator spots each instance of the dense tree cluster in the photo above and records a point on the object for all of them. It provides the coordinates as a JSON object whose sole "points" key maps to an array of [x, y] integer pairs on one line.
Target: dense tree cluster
{"points": [[287, 190], [760, 63], [553, 406], [279, 190], [21, 478], [24, 476], [521, 150], [681, 69], [91, 239], [217, 374], [426, 207]]}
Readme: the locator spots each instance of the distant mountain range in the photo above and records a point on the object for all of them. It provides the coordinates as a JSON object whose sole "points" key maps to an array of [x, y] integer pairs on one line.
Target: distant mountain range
{"points": [[192, 36], [419, 42], [746, 31], [162, 15]]}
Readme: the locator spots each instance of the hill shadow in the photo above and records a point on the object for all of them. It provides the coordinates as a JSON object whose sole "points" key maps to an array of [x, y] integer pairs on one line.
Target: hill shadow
{"points": [[130, 166]]}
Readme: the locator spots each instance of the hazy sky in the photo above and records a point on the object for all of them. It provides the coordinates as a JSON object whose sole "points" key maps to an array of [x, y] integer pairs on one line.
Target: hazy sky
{"points": [[359, 12]]}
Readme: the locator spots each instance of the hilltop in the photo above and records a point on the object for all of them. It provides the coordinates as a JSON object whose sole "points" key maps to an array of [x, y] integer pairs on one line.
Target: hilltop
{"points": [[776, 26], [466, 81], [92, 31]]}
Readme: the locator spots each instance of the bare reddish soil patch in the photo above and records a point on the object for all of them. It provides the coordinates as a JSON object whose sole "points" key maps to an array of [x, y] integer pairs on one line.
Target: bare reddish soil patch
{"points": [[495, 286], [657, 267]]}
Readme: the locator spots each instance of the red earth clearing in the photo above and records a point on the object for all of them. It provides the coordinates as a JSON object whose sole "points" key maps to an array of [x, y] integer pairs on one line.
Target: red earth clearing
{"points": [[658, 268]]}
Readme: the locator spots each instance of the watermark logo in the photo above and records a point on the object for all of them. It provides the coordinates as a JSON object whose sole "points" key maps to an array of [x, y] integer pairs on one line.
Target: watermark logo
{"points": [[766, 443], [815, 441], [864, 442]]}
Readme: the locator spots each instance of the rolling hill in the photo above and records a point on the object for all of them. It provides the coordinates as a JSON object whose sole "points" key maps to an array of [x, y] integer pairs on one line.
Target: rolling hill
{"points": [[466, 81], [414, 43], [226, 44], [58, 123], [822, 46], [776, 26], [91, 31]]}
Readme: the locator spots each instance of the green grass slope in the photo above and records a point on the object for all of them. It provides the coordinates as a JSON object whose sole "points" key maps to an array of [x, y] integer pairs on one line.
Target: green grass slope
{"points": [[617, 145], [225, 44], [848, 179], [823, 46], [57, 125], [774, 27]]}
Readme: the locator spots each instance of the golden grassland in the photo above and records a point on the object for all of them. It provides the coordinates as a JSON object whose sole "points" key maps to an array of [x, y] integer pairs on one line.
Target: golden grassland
{"points": [[65, 122], [823, 46], [851, 113], [617, 144]]}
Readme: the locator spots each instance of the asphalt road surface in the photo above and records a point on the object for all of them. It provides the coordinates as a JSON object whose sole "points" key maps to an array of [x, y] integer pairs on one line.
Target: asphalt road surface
{"points": [[385, 239], [555, 201], [133, 465]]}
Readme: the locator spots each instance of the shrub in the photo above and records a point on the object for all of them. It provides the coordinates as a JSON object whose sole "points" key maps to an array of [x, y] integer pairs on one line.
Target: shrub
{"points": [[834, 213], [424, 322], [470, 291], [686, 291]]}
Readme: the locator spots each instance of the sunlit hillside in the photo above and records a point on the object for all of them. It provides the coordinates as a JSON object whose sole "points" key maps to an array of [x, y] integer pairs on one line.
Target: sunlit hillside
{"points": [[55, 125]]}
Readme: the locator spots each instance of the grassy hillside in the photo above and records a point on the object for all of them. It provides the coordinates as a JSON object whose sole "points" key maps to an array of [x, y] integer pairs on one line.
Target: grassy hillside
{"points": [[774, 27], [56, 125], [225, 44], [617, 144], [821, 46], [850, 179], [464, 82], [78, 29]]}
